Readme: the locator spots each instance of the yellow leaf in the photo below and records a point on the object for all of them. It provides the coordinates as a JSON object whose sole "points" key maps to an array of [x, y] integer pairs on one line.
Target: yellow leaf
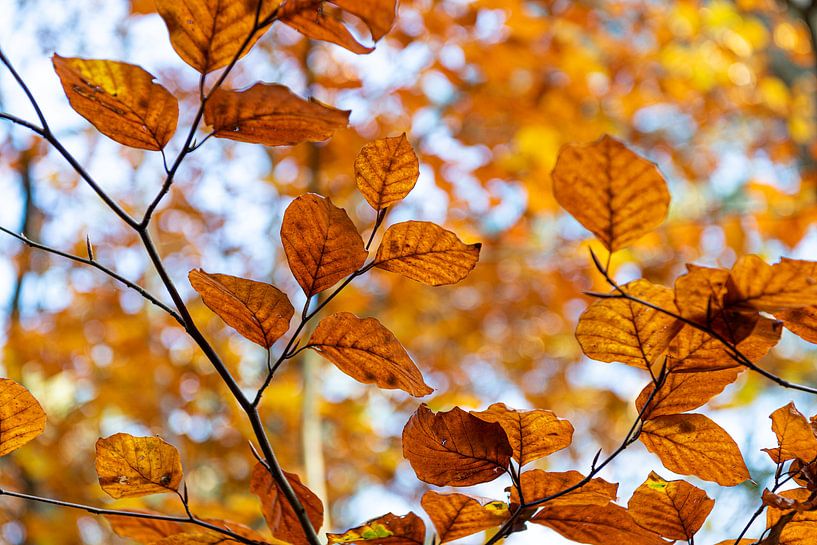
{"points": [[755, 284], [386, 171], [457, 515], [121, 100], [673, 509], [21, 416], [137, 466]]}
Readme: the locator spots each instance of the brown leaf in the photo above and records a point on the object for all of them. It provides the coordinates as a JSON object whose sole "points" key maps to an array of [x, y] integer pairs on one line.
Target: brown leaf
{"points": [[386, 170], [271, 115], [538, 484], [208, 34], [607, 524], [755, 284], [455, 448], [137, 466], [144, 530], [121, 100], [801, 321], [532, 434], [318, 21], [795, 437], [195, 538], [377, 14], [672, 509], [626, 331], [259, 311], [386, 530], [367, 352], [321, 243], [427, 253], [279, 514], [457, 515], [21, 416], [699, 294], [682, 392], [692, 444], [616, 194]]}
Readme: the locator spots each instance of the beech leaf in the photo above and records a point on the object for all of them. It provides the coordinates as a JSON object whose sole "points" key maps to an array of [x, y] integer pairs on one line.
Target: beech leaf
{"points": [[457, 515], [607, 524], [755, 284], [316, 20], [389, 529], [386, 171], [673, 509], [795, 436], [137, 466], [683, 392], [377, 14], [538, 484], [279, 514], [21, 416]]}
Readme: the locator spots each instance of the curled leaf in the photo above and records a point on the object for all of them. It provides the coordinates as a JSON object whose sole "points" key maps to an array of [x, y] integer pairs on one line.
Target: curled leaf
{"points": [[319, 21], [389, 529], [137, 466], [795, 436], [279, 514]]}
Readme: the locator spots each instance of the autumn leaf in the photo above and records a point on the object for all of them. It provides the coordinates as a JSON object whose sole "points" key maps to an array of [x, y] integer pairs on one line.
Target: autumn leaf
{"points": [[208, 34], [755, 284], [386, 171], [321, 243], [607, 524], [532, 434], [195, 538], [271, 115], [457, 515], [279, 514], [427, 253], [795, 436], [21, 416], [151, 530], [699, 293], [318, 21], [618, 329], [683, 392], [389, 529], [692, 444], [377, 14], [121, 100], [136, 466], [616, 194], [260, 312], [538, 484], [368, 352], [455, 448], [673, 509]]}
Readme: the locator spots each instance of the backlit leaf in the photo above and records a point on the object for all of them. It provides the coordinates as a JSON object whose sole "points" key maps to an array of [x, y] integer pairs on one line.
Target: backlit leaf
{"points": [[21, 416], [137, 466], [427, 253], [683, 392], [692, 444], [195, 538], [386, 530], [259, 311], [673, 509], [795, 436], [321, 243], [532, 434], [755, 284], [368, 352], [607, 524], [319, 21], [699, 293], [455, 448], [377, 14], [208, 34], [457, 515], [386, 171], [538, 484], [271, 115], [144, 530], [616, 194], [279, 514], [121, 100]]}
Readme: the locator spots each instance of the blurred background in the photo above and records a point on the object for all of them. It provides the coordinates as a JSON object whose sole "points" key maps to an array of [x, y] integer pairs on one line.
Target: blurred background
{"points": [[721, 94]]}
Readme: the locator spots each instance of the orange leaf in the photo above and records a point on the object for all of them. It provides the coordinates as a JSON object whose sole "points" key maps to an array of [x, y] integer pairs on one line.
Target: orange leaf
{"points": [[260, 312], [271, 115], [367, 352], [607, 524], [692, 444], [455, 448], [121, 100], [532, 434], [427, 253], [377, 14], [616, 194], [21, 416], [386, 530], [208, 34], [144, 530], [628, 332], [386, 171], [683, 392], [673, 509], [321, 243], [700, 292], [538, 484], [755, 284], [137, 466], [279, 514], [317, 21], [195, 538], [457, 515], [795, 436]]}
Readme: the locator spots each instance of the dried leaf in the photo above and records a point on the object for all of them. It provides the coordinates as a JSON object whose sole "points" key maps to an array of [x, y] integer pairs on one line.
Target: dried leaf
{"points": [[367, 352], [457, 515], [455, 448], [259, 311], [616, 194], [532, 434], [692, 444], [755, 284], [121, 100], [144, 530], [607, 524], [136, 466], [321, 243], [427, 253], [538, 484], [271, 115], [628, 332], [208, 34], [21, 416], [195, 538], [317, 21], [795, 436], [386, 171], [377, 14], [386, 530], [673, 509], [683, 392], [279, 514]]}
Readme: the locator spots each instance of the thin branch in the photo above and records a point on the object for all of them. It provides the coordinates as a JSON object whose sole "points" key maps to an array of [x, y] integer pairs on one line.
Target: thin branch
{"points": [[25, 89]]}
